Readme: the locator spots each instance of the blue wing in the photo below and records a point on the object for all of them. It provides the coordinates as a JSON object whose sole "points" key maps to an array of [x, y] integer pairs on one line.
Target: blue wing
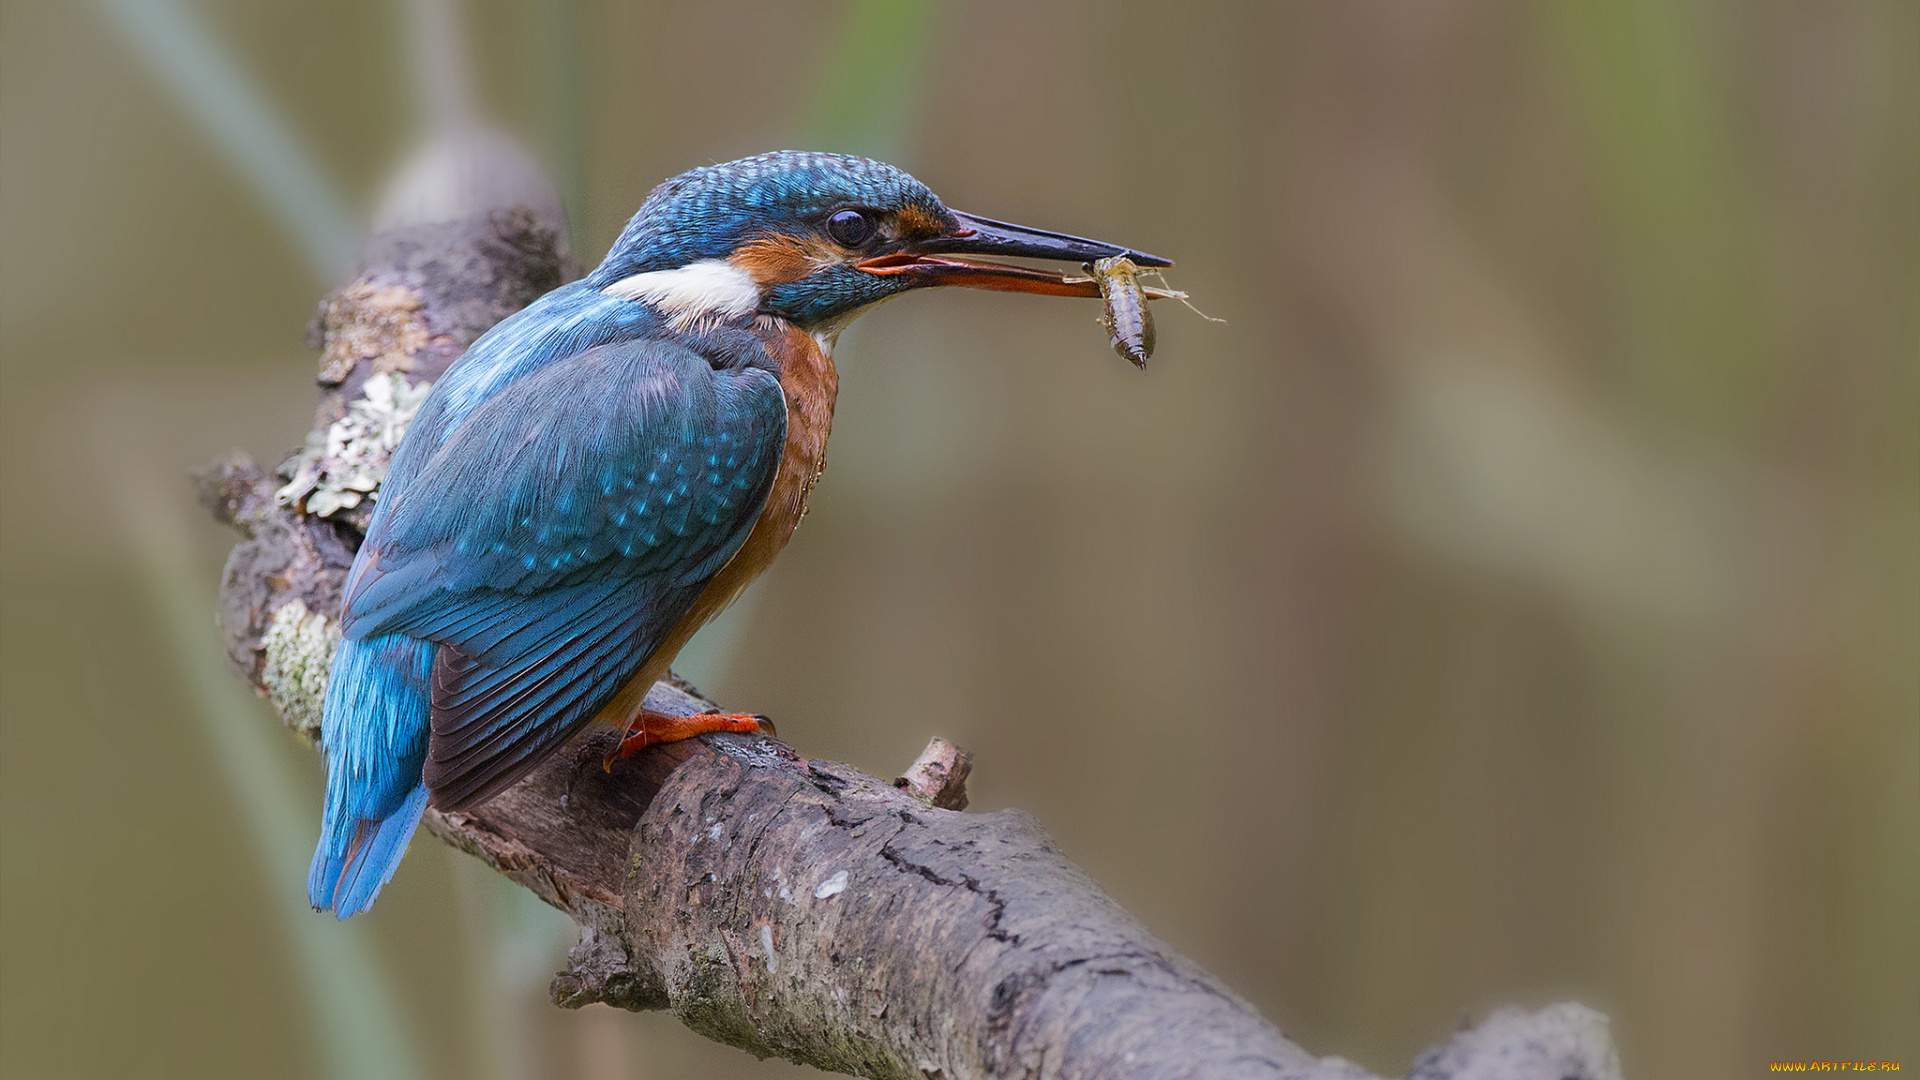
{"points": [[553, 539]]}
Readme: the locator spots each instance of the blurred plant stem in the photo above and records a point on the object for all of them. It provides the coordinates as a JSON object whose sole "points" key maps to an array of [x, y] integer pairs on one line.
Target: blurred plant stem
{"points": [[355, 1014], [563, 108], [353, 1007], [1704, 332], [217, 95], [872, 83], [514, 943]]}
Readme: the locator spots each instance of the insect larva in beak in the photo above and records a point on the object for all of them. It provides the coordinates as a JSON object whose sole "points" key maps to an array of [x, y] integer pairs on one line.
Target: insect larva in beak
{"points": [[1129, 324]]}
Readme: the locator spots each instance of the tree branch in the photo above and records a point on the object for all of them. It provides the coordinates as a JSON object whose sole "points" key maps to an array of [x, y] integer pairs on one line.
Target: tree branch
{"points": [[782, 905]]}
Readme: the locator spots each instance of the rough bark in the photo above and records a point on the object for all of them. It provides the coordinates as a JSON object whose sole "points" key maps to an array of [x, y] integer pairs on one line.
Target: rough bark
{"points": [[783, 905]]}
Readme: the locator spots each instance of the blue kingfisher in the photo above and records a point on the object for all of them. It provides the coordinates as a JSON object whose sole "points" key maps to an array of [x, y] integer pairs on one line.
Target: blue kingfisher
{"points": [[604, 471]]}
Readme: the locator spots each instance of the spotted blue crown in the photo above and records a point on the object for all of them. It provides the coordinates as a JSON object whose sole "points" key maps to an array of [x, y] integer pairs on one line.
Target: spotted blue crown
{"points": [[707, 213]]}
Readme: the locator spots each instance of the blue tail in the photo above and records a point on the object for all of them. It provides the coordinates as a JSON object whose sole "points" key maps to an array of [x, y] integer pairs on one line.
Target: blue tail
{"points": [[374, 732]]}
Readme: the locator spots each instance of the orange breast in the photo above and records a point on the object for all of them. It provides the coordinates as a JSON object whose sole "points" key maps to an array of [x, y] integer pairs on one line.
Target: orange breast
{"points": [[810, 384], [808, 380]]}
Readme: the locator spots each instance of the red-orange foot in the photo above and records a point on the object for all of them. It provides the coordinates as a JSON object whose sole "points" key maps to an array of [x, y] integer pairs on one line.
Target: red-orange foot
{"points": [[657, 727]]}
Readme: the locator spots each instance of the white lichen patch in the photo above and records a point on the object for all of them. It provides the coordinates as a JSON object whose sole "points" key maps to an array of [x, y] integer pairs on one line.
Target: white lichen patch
{"points": [[337, 471], [299, 646], [766, 943], [833, 886]]}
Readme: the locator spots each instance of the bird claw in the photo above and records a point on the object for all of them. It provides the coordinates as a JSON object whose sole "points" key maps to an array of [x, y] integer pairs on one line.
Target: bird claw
{"points": [[653, 727]]}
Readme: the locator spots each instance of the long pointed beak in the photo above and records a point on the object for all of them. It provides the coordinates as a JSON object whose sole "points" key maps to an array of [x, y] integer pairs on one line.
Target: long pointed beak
{"points": [[924, 263]]}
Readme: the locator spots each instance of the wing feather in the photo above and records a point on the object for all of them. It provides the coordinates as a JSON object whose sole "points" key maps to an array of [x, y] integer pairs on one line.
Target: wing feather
{"points": [[555, 538]]}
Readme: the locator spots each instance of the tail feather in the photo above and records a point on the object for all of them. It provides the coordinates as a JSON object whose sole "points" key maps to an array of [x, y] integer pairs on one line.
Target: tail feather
{"points": [[351, 879], [323, 877], [375, 731]]}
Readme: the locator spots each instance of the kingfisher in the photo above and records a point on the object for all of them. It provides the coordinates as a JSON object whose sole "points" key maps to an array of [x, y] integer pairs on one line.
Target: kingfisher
{"points": [[604, 471]]}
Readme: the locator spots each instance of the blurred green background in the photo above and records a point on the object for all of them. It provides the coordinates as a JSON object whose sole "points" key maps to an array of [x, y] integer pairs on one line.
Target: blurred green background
{"points": [[1516, 600]]}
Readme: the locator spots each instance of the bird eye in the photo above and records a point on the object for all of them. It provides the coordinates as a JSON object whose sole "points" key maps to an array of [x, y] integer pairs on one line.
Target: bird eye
{"points": [[850, 228]]}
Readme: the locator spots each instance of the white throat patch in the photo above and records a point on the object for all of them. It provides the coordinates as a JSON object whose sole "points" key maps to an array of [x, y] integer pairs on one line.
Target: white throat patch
{"points": [[712, 290], [827, 335]]}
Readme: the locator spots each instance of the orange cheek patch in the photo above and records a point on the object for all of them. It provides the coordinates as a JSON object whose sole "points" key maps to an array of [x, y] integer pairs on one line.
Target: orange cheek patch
{"points": [[777, 259], [916, 222]]}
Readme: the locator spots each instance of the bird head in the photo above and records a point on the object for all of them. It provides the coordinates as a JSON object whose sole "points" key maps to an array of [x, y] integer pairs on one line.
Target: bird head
{"points": [[817, 238]]}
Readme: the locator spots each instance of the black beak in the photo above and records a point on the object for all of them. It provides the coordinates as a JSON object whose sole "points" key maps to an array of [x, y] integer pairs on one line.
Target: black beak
{"points": [[921, 260], [985, 236]]}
